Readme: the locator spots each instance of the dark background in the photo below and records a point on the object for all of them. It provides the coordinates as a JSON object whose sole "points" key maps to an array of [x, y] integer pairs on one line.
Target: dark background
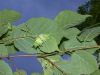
{"points": [[36, 8]]}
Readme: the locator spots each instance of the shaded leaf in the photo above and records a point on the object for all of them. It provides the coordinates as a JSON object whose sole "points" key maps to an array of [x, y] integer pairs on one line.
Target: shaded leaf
{"points": [[11, 49], [89, 34], [3, 29], [39, 40], [3, 50], [15, 34], [71, 44], [71, 33], [96, 73]]}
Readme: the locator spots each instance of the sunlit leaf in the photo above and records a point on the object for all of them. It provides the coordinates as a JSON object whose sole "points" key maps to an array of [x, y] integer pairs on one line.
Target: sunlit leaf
{"points": [[37, 26], [39, 40], [67, 19], [47, 68], [50, 69], [4, 68], [50, 45], [81, 62]]}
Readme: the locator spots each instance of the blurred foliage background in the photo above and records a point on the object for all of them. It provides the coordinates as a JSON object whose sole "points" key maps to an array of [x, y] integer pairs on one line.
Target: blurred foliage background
{"points": [[91, 7]]}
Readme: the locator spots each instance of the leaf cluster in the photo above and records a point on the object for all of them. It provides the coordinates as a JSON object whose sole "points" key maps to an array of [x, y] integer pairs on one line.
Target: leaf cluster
{"points": [[48, 40]]}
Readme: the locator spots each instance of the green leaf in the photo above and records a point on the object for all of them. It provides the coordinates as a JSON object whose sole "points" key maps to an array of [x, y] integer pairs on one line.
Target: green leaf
{"points": [[50, 45], [37, 26], [47, 68], [55, 59], [90, 44], [3, 29], [9, 16], [3, 50], [39, 40], [81, 62], [13, 35], [25, 45], [71, 33], [89, 34], [4, 68], [71, 44], [67, 19], [74, 44], [17, 33], [11, 49], [37, 73], [96, 73], [20, 72]]}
